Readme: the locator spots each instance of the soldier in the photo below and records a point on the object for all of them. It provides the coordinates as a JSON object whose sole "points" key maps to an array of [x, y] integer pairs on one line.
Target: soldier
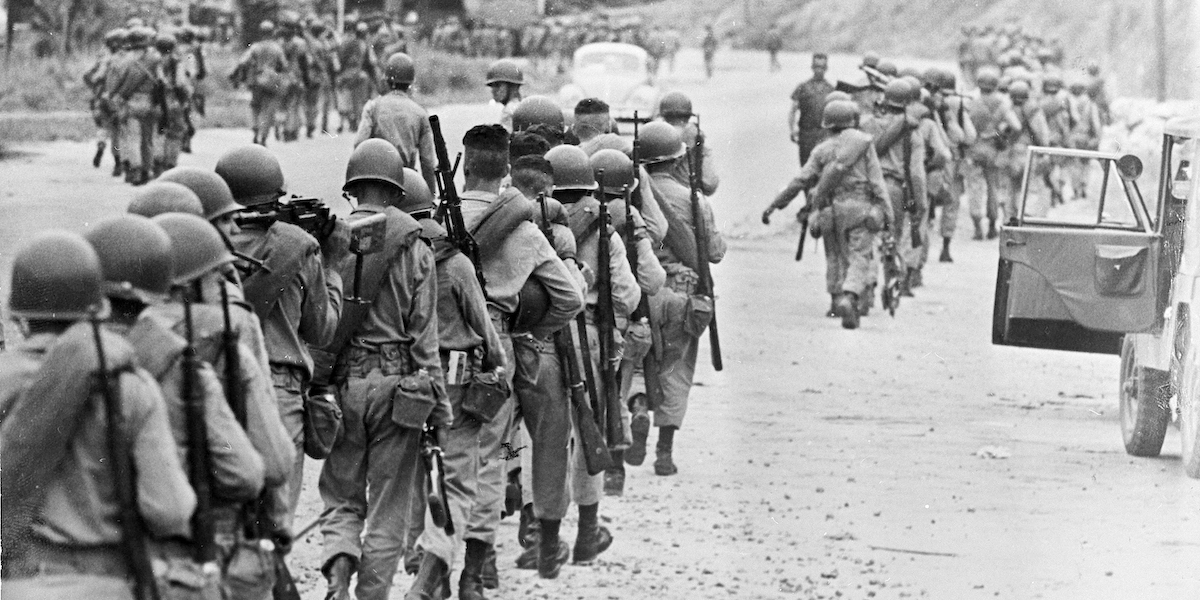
{"points": [[512, 252], [994, 119], [263, 68], [1031, 131], [960, 131], [69, 490], [680, 314], [773, 43], [354, 80], [857, 203], [172, 127], [295, 289], [506, 78], [391, 345], [469, 347], [1084, 135], [709, 46], [1053, 104], [297, 76], [103, 113], [396, 118], [676, 108], [131, 86], [1098, 94], [319, 96], [936, 146], [808, 102], [195, 69]]}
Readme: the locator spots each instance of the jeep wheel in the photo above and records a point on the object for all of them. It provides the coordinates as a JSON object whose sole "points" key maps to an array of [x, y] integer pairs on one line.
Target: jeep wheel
{"points": [[1145, 410], [1189, 412]]}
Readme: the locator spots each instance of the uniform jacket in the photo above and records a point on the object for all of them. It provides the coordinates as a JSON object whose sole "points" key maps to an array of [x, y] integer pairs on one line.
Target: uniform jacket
{"points": [[625, 291], [137, 72], [463, 320], [892, 161], [682, 171], [650, 273], [1085, 122], [677, 199], [263, 67], [395, 117]]}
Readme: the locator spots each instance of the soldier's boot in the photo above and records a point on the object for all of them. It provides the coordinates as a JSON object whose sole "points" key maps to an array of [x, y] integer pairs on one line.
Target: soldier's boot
{"points": [[863, 306], [428, 584], [945, 256], [847, 309], [978, 228], [916, 278], [906, 283], [118, 168], [529, 533], [470, 582], [614, 476], [992, 233], [100, 146], [663, 465], [552, 552], [488, 575], [186, 146], [832, 313], [337, 573], [308, 131], [592, 539], [639, 424]]}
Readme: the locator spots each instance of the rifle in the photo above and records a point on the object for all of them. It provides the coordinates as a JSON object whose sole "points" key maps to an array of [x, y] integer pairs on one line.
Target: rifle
{"points": [[650, 366], [606, 324], [803, 216], [892, 270], [309, 214], [705, 286], [450, 208], [199, 461], [133, 534], [910, 204], [591, 440], [435, 482]]}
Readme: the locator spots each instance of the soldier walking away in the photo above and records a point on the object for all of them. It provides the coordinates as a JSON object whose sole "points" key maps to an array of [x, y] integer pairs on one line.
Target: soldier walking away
{"points": [[1097, 92], [389, 382], [808, 103], [298, 77], [774, 43], [356, 76], [172, 127], [80, 501], [396, 118], [676, 109], [1085, 133], [955, 114], [1031, 130], [135, 88], [709, 46], [680, 313], [505, 78], [263, 69], [1053, 104], [319, 96], [103, 111], [994, 121]]}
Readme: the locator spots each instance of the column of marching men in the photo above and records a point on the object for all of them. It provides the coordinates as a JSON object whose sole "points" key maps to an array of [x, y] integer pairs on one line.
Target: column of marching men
{"points": [[503, 349]]}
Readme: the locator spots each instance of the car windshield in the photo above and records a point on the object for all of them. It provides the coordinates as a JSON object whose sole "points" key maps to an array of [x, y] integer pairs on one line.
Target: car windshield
{"points": [[609, 62], [1079, 192]]}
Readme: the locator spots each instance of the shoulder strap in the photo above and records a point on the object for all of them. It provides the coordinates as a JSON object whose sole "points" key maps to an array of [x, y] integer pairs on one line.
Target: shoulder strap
{"points": [[583, 224], [499, 221]]}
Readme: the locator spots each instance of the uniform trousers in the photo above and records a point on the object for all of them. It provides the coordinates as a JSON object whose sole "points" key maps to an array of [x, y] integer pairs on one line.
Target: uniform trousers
{"points": [[318, 99], [669, 310], [293, 108], [461, 461], [544, 405], [985, 186], [138, 124], [354, 89], [903, 220], [492, 466], [289, 397], [588, 489], [263, 107]]}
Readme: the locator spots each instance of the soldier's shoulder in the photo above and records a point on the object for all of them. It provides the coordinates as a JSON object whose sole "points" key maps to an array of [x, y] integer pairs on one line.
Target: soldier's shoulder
{"points": [[287, 234]]}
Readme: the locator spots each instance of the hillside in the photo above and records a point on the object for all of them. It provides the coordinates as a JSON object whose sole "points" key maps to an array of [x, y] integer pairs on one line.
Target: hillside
{"points": [[1118, 34]]}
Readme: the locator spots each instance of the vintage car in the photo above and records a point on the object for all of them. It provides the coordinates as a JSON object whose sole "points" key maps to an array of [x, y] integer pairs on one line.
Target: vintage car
{"points": [[1107, 274], [615, 73]]}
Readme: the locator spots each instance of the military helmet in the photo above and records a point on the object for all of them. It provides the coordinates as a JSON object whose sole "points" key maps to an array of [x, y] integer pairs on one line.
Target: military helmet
{"points": [[375, 160], [914, 87], [165, 42], [417, 196], [572, 169], [675, 104], [837, 95], [186, 34], [913, 72], [400, 69], [196, 247], [252, 174], [266, 26], [505, 70], [535, 110], [56, 276], [931, 79], [839, 114], [134, 22], [660, 142], [1019, 90], [988, 78], [140, 37], [1052, 82], [618, 170], [215, 197], [871, 59], [947, 80], [160, 197], [135, 258], [898, 93], [115, 36], [1077, 84], [888, 68]]}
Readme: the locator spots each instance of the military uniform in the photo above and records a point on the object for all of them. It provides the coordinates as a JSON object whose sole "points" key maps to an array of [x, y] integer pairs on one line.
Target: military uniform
{"points": [[319, 96], [994, 118], [264, 69], [354, 80], [297, 81], [395, 117], [960, 135], [897, 177], [177, 98], [1084, 135], [709, 180], [103, 113], [131, 85], [1033, 131]]}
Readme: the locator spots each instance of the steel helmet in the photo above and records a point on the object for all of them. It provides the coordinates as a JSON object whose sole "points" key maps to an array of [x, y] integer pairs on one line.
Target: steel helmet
{"points": [[1077, 85], [1019, 90], [417, 196], [911, 72], [898, 93], [252, 174], [675, 104], [196, 247], [213, 193], [375, 160], [572, 170], [618, 170], [988, 78], [888, 68], [505, 70], [1052, 82], [56, 276], [837, 95], [400, 69], [914, 87], [839, 114], [660, 142], [160, 197], [536, 110], [871, 59], [947, 80], [266, 26], [115, 36], [165, 42], [135, 258], [140, 37]]}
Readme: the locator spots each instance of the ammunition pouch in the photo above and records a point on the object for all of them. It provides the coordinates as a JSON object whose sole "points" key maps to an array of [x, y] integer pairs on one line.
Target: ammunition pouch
{"points": [[181, 578], [485, 395], [322, 425], [859, 213], [681, 279], [639, 339]]}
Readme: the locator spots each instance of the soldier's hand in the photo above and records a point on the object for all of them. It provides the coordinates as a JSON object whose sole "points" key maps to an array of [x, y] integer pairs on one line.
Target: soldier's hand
{"points": [[335, 248], [766, 216]]}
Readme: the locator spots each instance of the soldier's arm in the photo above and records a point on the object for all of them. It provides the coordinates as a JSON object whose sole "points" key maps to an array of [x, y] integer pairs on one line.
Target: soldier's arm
{"points": [[472, 305], [237, 468], [322, 304], [366, 125], [264, 426], [625, 291], [938, 147], [165, 499], [878, 187], [419, 271], [656, 221], [710, 180], [566, 300], [1040, 129], [650, 273], [970, 132]]}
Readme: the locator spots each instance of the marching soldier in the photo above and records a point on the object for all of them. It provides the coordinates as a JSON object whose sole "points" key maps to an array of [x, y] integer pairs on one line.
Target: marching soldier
{"points": [[936, 156], [131, 86], [298, 76], [994, 120], [71, 492], [808, 102], [505, 78], [103, 113], [319, 96], [173, 125], [263, 68], [357, 64], [851, 192], [1053, 104], [1085, 133], [676, 109], [960, 132], [676, 310], [1031, 130], [390, 386], [396, 118]]}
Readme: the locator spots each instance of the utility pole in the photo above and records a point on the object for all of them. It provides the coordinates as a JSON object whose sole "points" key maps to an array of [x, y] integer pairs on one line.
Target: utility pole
{"points": [[1160, 31]]}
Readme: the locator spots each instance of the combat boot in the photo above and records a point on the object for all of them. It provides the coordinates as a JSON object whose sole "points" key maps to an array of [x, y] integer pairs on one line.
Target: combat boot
{"points": [[978, 229], [592, 538], [663, 465], [945, 256], [527, 529], [552, 552], [470, 583], [906, 284], [488, 575], [916, 278], [100, 146], [118, 168], [428, 584], [614, 476], [847, 309], [308, 131], [337, 573], [992, 233], [639, 424]]}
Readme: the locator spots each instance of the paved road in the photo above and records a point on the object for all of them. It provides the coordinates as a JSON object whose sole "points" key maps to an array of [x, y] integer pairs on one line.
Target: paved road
{"points": [[820, 463]]}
